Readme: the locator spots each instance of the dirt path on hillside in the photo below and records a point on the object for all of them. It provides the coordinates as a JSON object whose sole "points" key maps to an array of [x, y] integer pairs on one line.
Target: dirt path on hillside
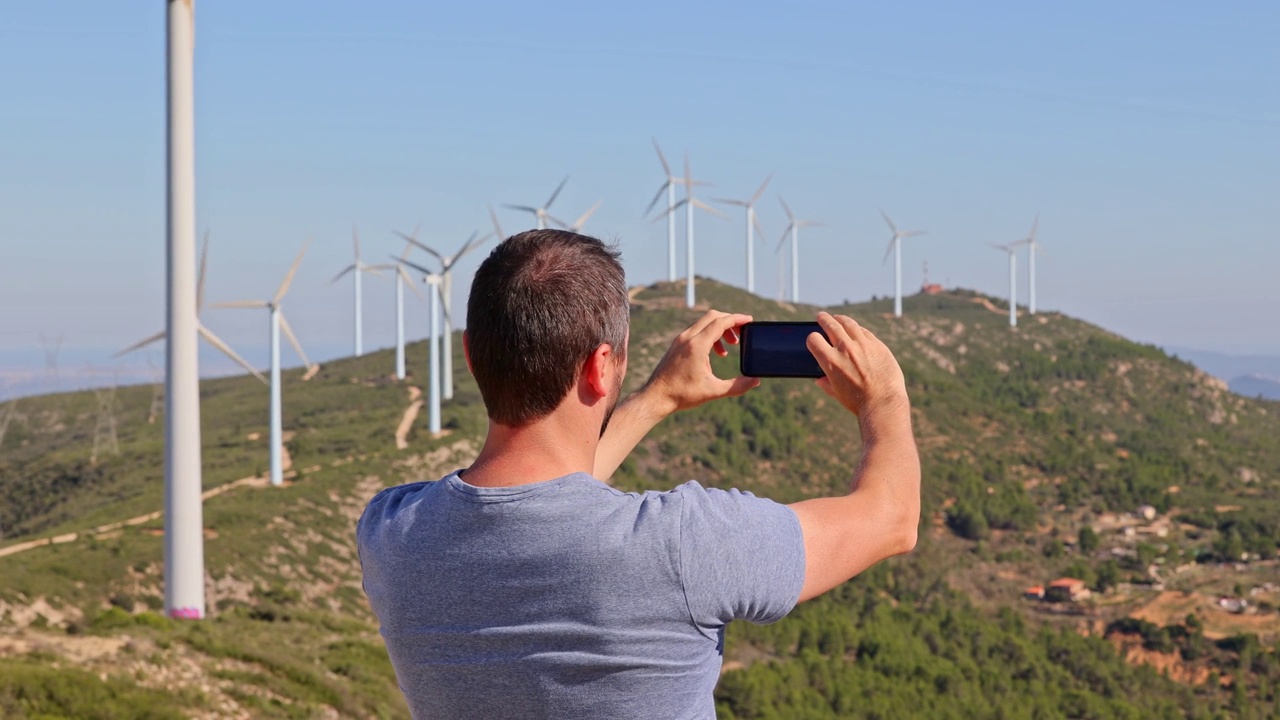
{"points": [[255, 481], [987, 304], [410, 414]]}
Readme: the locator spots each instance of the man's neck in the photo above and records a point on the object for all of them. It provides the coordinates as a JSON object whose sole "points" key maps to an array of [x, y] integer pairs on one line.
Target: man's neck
{"points": [[549, 448]]}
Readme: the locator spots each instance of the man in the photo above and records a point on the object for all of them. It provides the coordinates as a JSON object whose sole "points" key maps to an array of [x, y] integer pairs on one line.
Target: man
{"points": [[524, 587]]}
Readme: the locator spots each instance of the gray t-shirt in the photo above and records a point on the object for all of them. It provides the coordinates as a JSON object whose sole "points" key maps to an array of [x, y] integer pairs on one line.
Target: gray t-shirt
{"points": [[569, 598]]}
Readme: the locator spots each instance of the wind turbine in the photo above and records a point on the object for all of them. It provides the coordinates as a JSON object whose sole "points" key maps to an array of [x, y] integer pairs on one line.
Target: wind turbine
{"points": [[356, 268], [541, 212], [669, 187], [895, 247], [752, 224], [401, 278], [689, 203], [793, 227], [278, 323], [433, 378], [1033, 247], [200, 329], [447, 263], [1012, 250]]}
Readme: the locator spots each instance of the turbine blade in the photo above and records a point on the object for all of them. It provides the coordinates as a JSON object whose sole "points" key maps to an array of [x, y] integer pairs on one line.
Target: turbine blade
{"points": [[889, 250], [243, 304], [226, 350], [783, 240], [552, 218], [577, 224], [760, 192], [787, 209], [914, 233], [412, 285], [293, 340], [444, 308], [524, 208], [1005, 248], [418, 267], [657, 197], [1035, 225], [556, 194], [288, 278], [688, 174], [666, 169], [679, 204], [497, 228], [140, 344], [413, 241], [470, 239], [703, 206], [755, 220], [731, 201], [892, 228], [342, 274], [471, 246], [204, 265]]}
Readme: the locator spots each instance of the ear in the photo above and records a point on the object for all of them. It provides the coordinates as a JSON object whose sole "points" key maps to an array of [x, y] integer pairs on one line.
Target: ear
{"points": [[599, 371], [466, 352]]}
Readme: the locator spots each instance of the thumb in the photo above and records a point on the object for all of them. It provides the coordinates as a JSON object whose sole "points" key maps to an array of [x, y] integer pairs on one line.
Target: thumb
{"points": [[741, 385]]}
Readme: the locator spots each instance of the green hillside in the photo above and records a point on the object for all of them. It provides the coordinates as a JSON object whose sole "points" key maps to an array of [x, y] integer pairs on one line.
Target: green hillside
{"points": [[1039, 447]]}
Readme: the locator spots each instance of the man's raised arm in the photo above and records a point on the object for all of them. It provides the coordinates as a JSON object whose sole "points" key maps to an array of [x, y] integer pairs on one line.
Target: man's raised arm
{"points": [[683, 379], [879, 517]]}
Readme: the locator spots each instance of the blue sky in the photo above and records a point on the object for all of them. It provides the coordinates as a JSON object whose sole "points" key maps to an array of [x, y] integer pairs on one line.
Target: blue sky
{"points": [[1145, 133]]}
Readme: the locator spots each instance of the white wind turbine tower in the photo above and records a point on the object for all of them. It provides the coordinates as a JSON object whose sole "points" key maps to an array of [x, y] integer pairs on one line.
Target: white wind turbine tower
{"points": [[753, 223], [689, 202], [668, 187], [183, 505], [401, 278], [1033, 247], [541, 212], [447, 262], [357, 269], [278, 323], [895, 247], [1012, 250], [433, 342], [793, 228]]}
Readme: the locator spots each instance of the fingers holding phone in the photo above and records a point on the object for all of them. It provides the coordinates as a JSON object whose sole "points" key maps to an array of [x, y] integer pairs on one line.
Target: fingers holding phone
{"points": [[859, 370]]}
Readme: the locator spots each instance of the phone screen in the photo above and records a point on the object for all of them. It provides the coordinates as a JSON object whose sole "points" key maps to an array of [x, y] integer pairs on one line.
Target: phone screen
{"points": [[777, 349]]}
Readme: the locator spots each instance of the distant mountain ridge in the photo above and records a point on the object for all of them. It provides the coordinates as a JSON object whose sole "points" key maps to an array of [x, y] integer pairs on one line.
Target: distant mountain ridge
{"points": [[1248, 375]]}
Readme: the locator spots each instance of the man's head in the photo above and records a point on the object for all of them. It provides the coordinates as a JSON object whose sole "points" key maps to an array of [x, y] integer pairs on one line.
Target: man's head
{"points": [[546, 307]]}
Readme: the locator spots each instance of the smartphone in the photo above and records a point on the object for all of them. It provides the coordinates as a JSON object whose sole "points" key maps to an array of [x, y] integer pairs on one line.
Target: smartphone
{"points": [[777, 349]]}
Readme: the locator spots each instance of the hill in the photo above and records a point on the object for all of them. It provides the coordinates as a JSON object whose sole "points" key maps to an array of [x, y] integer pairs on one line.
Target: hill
{"points": [[1052, 449]]}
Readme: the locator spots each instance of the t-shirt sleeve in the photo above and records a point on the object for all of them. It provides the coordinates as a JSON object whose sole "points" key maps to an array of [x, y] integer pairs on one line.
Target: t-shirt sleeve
{"points": [[741, 557]]}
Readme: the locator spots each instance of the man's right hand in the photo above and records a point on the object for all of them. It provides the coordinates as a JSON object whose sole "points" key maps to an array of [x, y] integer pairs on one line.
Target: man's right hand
{"points": [[861, 372]]}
